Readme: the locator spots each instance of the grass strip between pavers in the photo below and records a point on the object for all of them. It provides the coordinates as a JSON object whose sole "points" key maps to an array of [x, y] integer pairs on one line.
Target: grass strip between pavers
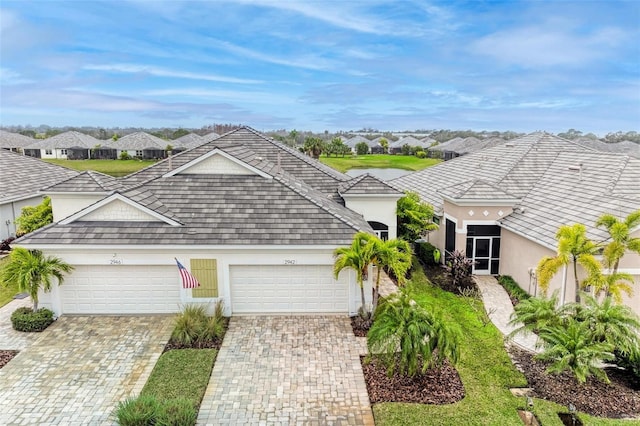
{"points": [[485, 369], [181, 373]]}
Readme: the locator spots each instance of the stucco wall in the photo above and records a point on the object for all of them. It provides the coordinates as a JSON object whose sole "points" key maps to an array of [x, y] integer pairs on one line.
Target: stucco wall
{"points": [[376, 209], [65, 205], [226, 257], [10, 211]]}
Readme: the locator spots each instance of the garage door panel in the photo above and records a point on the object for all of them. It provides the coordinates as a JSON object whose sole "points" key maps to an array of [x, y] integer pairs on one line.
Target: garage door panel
{"points": [[121, 289], [287, 289]]}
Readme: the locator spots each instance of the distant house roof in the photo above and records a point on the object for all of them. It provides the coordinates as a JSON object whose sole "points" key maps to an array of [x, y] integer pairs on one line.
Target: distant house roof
{"points": [[210, 136], [190, 140], [557, 180], [10, 140], [264, 204], [407, 140], [22, 176], [70, 139], [352, 142], [140, 141], [624, 147], [367, 184]]}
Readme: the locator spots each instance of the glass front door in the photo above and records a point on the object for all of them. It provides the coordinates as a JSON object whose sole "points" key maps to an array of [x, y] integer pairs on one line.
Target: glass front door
{"points": [[481, 255]]}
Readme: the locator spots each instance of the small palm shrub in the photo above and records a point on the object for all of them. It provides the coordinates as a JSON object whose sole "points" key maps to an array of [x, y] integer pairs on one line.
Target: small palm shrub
{"points": [[176, 412], [140, 411], [409, 339], [27, 320], [536, 313], [194, 329]]}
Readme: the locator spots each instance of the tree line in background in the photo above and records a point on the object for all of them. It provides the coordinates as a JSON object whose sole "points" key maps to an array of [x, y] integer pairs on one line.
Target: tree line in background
{"points": [[297, 137]]}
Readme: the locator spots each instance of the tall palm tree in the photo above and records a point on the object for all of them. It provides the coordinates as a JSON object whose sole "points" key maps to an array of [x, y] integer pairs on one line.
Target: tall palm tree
{"points": [[404, 335], [574, 247], [613, 284], [394, 255], [358, 256], [32, 271], [621, 240]]}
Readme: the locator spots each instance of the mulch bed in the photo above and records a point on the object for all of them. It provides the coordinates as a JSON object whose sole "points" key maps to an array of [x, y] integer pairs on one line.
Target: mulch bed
{"points": [[436, 386], [360, 326], [441, 278], [620, 399], [6, 356]]}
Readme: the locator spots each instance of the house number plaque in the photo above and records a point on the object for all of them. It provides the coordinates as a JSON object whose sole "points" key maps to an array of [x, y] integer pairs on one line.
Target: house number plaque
{"points": [[289, 261]]}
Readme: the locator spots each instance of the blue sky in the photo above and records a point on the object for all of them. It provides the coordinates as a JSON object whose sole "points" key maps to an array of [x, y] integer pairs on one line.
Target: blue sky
{"points": [[322, 65]]}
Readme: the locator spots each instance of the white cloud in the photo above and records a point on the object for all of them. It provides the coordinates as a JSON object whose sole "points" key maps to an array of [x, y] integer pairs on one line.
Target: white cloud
{"points": [[163, 72]]}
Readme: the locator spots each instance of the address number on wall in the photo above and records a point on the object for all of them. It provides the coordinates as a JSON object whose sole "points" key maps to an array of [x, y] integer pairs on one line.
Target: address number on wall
{"points": [[289, 261]]}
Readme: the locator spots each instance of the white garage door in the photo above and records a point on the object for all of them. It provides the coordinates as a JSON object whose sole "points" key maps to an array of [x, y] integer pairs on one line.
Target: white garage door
{"points": [[287, 289], [121, 290]]}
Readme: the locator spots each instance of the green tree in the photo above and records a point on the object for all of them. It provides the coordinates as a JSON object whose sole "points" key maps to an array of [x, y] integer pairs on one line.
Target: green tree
{"points": [[394, 256], [385, 145], [362, 148], [336, 147], [358, 256], [414, 217], [314, 146], [405, 335], [620, 236], [574, 247], [34, 217], [613, 284], [179, 133], [32, 271]]}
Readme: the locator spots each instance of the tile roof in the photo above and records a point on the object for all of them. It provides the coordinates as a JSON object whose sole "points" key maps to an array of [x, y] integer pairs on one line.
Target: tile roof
{"points": [[140, 141], [352, 142], [624, 147], [22, 176], [210, 136], [407, 140], [70, 139], [544, 171], [87, 181], [367, 184], [190, 140], [14, 140], [224, 209], [476, 190]]}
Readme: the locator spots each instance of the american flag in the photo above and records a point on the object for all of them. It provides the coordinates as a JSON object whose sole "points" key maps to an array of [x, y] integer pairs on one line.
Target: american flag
{"points": [[188, 280]]}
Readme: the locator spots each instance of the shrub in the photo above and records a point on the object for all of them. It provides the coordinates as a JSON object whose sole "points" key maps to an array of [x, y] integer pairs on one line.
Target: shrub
{"points": [[25, 319], [140, 411], [629, 361], [459, 266], [512, 287], [421, 154], [124, 155], [194, 329], [425, 251], [362, 148], [176, 412]]}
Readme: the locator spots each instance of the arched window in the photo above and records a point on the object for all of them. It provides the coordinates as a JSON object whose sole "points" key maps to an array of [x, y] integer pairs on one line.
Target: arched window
{"points": [[381, 230]]}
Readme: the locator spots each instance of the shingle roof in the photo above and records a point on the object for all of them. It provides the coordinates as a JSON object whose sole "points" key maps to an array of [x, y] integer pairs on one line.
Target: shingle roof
{"points": [[352, 142], [14, 140], [367, 184], [140, 141], [222, 209], [87, 181], [407, 140], [70, 139], [210, 136], [22, 176], [624, 147], [190, 140], [544, 171]]}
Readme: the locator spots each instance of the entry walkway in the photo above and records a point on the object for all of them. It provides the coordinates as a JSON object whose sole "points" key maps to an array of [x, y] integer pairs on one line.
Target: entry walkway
{"points": [[499, 308], [9, 338], [287, 370]]}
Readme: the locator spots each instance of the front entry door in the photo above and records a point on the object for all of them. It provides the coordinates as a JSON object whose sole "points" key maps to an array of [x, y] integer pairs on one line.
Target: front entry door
{"points": [[481, 255]]}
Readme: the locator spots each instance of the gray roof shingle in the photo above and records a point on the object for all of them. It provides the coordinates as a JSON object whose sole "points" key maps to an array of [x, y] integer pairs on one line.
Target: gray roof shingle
{"points": [[140, 141], [87, 181], [367, 184], [10, 140], [70, 139]]}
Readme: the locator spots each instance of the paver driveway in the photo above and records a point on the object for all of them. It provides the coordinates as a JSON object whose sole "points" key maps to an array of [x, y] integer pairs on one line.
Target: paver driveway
{"points": [[288, 370], [79, 368]]}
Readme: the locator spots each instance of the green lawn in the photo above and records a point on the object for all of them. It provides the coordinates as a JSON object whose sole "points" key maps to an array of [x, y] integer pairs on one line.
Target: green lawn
{"points": [[7, 293], [181, 373], [110, 167], [485, 370], [379, 161]]}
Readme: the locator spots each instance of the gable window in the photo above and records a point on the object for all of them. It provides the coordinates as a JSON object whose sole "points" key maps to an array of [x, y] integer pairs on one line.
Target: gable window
{"points": [[381, 230], [206, 271], [48, 152]]}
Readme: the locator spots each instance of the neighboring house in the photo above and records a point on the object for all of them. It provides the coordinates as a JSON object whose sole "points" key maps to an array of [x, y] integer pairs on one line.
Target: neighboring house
{"points": [[21, 179], [396, 147], [254, 220], [14, 141], [210, 136], [142, 145], [459, 146], [188, 141], [502, 206], [71, 145], [624, 147], [352, 142]]}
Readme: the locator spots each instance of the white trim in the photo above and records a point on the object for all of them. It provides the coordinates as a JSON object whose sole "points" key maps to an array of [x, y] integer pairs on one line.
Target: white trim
{"points": [[482, 202], [466, 223], [211, 153], [372, 195], [46, 193], [74, 247], [117, 196]]}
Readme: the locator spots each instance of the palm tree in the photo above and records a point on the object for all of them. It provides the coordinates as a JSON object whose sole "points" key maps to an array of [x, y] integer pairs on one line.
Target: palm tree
{"points": [[358, 256], [394, 255], [574, 348], [573, 248], [621, 240], [404, 335], [613, 284], [32, 271]]}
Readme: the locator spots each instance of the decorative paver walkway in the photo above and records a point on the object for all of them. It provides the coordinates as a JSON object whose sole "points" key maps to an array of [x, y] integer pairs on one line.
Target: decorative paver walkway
{"points": [[499, 308], [77, 370], [282, 370], [9, 338]]}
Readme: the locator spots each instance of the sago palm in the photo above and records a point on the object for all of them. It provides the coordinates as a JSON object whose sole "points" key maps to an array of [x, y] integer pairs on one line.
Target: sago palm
{"points": [[32, 271], [537, 313], [574, 247], [404, 335], [572, 347], [620, 236], [358, 256]]}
